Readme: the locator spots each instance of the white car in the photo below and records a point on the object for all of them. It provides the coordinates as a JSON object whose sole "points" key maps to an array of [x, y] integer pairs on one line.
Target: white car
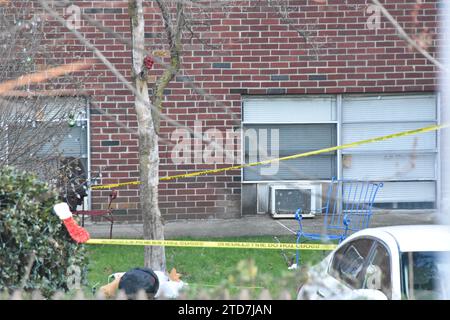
{"points": [[398, 262]]}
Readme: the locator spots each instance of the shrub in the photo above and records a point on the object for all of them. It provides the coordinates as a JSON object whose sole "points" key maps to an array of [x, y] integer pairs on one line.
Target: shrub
{"points": [[36, 251]]}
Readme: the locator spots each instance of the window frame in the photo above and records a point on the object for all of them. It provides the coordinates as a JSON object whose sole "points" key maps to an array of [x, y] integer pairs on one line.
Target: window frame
{"points": [[269, 126], [335, 99], [85, 120], [435, 151], [331, 271], [338, 100], [408, 257], [375, 242], [379, 243]]}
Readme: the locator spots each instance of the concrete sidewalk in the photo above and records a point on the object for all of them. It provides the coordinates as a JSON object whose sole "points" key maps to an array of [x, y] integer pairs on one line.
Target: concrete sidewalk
{"points": [[246, 226]]}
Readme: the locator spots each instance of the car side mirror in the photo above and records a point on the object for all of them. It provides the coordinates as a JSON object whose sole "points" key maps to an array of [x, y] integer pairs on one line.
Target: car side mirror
{"points": [[368, 294]]}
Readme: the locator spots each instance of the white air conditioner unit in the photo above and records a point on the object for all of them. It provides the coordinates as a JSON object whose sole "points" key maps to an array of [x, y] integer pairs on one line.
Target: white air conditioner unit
{"points": [[286, 199]]}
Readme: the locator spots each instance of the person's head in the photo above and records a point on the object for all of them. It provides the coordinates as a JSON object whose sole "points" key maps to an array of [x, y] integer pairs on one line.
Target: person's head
{"points": [[139, 279]]}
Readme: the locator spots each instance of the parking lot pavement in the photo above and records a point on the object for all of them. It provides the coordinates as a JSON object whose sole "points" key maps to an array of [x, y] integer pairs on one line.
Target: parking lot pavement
{"points": [[248, 226]]}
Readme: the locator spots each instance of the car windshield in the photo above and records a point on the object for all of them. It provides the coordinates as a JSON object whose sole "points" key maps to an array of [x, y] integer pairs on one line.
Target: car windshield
{"points": [[421, 275]]}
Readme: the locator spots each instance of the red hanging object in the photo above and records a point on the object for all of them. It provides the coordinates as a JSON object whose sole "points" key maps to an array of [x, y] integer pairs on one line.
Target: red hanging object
{"points": [[77, 233], [148, 62]]}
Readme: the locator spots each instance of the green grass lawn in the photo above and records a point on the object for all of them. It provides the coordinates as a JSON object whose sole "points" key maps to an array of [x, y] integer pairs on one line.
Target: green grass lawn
{"points": [[200, 267]]}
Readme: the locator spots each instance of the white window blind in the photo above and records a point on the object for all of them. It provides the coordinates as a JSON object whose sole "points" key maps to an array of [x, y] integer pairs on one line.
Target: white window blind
{"points": [[407, 191], [382, 108], [407, 165], [352, 132], [293, 139], [290, 110], [72, 144], [394, 166]]}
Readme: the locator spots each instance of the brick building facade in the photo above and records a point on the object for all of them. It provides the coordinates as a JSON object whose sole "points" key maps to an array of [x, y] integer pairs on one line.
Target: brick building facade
{"points": [[254, 49]]}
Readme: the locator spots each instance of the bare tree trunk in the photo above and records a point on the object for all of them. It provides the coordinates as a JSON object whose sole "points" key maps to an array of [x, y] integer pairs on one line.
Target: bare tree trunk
{"points": [[148, 145]]}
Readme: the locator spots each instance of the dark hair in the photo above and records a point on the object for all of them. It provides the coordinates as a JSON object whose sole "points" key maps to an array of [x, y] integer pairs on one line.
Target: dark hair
{"points": [[138, 279]]}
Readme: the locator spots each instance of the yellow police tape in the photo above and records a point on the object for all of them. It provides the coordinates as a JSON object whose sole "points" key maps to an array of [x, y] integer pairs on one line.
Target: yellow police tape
{"points": [[295, 156], [214, 244]]}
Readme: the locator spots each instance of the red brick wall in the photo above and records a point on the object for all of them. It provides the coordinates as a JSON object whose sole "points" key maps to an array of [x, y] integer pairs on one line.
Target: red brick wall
{"points": [[250, 50]]}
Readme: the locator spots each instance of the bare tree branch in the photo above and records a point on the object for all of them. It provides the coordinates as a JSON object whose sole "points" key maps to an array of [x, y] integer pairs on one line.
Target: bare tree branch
{"points": [[42, 76], [403, 35], [122, 79], [282, 9], [174, 40]]}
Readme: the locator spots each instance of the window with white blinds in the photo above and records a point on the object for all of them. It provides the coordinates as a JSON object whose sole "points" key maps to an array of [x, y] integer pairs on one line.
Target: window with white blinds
{"points": [[72, 144], [46, 128], [308, 109], [292, 139], [59, 136], [406, 165], [281, 127]]}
